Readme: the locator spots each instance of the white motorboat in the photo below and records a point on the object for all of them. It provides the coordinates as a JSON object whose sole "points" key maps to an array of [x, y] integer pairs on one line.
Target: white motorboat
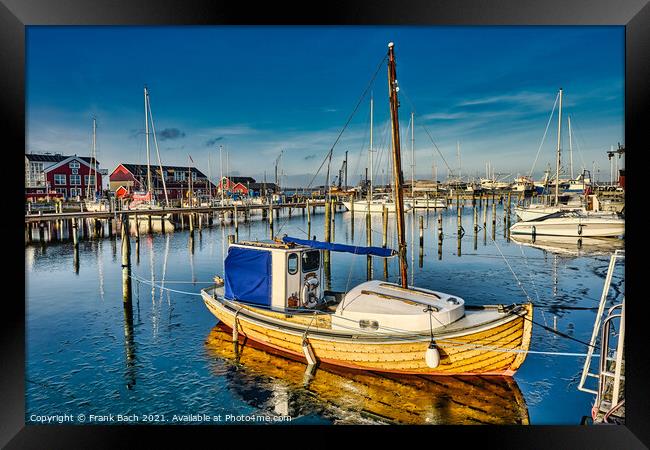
{"points": [[572, 223], [423, 202], [376, 205]]}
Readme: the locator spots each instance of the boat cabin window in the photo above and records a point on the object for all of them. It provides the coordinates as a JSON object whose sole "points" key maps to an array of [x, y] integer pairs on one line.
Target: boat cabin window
{"points": [[310, 260], [292, 263]]}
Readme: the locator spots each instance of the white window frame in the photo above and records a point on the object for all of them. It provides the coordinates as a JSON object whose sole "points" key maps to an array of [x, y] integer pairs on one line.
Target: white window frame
{"points": [[88, 181], [179, 176], [74, 165], [75, 177], [57, 183], [63, 191], [74, 192]]}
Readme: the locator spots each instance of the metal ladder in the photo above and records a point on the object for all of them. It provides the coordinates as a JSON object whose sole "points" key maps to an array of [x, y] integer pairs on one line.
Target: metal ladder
{"points": [[603, 373]]}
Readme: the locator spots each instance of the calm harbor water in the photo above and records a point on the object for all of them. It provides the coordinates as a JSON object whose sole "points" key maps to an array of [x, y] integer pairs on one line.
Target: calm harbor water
{"points": [[86, 355]]}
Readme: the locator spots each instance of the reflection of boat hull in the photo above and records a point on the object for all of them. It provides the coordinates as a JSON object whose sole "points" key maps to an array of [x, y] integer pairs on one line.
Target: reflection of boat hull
{"points": [[400, 399], [421, 203], [157, 224], [586, 226], [374, 206], [492, 347], [571, 245]]}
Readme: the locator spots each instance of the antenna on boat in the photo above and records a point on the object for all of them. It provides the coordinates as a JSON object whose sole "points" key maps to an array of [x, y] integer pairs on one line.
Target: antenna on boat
{"points": [[397, 164]]}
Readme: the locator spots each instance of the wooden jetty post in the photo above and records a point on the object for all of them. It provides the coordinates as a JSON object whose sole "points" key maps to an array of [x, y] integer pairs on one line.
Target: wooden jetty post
{"points": [[333, 217], [126, 260], [494, 219], [368, 243], [236, 223], [137, 228], [149, 227], [308, 219], [421, 240], [271, 219], [384, 237], [191, 220], [232, 239], [109, 223], [440, 235], [41, 232], [182, 221], [328, 222], [162, 224], [75, 232]]}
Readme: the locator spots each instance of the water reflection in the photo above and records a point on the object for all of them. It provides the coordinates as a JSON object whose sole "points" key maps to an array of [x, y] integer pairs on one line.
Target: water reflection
{"points": [[571, 246], [281, 385]]}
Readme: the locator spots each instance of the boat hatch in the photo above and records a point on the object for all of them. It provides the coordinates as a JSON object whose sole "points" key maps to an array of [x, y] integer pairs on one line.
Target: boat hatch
{"points": [[395, 308]]}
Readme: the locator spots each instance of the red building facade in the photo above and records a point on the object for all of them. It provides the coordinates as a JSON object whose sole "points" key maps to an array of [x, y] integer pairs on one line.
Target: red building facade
{"points": [[74, 177]]}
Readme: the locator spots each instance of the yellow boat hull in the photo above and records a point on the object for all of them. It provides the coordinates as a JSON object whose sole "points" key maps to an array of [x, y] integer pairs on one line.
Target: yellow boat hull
{"points": [[496, 350], [387, 398]]}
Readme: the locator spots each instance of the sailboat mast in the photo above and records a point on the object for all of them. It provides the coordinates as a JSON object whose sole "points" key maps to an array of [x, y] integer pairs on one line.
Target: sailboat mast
{"points": [[397, 164], [370, 151], [221, 171], [412, 155], [557, 166], [570, 148], [146, 134], [94, 165]]}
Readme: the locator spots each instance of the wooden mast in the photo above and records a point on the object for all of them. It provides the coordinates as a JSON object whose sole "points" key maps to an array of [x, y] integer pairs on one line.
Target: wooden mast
{"points": [[397, 165]]}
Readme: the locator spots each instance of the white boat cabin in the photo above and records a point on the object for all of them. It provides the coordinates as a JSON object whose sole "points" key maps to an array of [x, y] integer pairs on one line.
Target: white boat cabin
{"points": [[273, 274], [283, 276]]}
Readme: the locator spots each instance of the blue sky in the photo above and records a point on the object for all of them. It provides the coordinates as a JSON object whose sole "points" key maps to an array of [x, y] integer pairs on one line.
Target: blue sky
{"points": [[259, 90]]}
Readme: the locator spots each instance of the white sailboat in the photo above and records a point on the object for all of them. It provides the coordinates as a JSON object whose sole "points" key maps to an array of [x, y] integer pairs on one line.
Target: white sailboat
{"points": [[146, 200], [559, 220], [571, 223], [93, 203], [374, 203]]}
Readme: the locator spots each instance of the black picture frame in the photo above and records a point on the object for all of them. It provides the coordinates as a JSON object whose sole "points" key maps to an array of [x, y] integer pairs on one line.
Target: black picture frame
{"points": [[633, 14]]}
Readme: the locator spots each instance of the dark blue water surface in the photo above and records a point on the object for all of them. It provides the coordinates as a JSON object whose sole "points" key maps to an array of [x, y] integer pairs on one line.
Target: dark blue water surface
{"points": [[87, 355]]}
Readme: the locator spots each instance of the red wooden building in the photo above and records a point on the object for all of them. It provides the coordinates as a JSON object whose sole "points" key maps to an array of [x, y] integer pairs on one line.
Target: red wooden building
{"points": [[74, 176]]}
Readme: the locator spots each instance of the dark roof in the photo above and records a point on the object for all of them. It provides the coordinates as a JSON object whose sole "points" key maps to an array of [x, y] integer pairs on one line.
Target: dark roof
{"points": [[258, 186], [55, 158], [242, 180], [140, 169]]}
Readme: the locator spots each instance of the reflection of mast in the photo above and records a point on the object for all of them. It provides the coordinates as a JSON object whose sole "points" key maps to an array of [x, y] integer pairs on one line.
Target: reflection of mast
{"points": [[129, 346], [100, 268]]}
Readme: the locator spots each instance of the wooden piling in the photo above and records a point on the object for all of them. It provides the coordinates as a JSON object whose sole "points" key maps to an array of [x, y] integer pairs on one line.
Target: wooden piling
{"points": [[109, 223], [236, 223], [75, 232], [137, 228], [126, 260], [271, 220], [191, 220], [421, 239], [41, 232], [384, 237], [328, 223], [333, 217], [231, 239], [494, 219], [308, 219]]}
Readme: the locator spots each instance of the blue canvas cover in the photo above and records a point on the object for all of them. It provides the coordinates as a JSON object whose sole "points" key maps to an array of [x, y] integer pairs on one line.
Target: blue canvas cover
{"points": [[357, 250], [248, 275]]}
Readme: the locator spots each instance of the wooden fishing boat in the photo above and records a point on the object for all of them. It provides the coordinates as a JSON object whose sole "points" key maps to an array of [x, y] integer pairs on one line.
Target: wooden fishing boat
{"points": [[271, 294], [355, 396]]}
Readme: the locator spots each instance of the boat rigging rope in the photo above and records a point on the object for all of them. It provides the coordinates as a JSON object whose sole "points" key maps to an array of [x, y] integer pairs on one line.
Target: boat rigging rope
{"points": [[329, 154], [530, 174]]}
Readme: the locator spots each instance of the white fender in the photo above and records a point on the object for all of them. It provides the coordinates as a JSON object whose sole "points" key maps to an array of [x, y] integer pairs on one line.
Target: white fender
{"points": [[432, 356], [308, 352]]}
